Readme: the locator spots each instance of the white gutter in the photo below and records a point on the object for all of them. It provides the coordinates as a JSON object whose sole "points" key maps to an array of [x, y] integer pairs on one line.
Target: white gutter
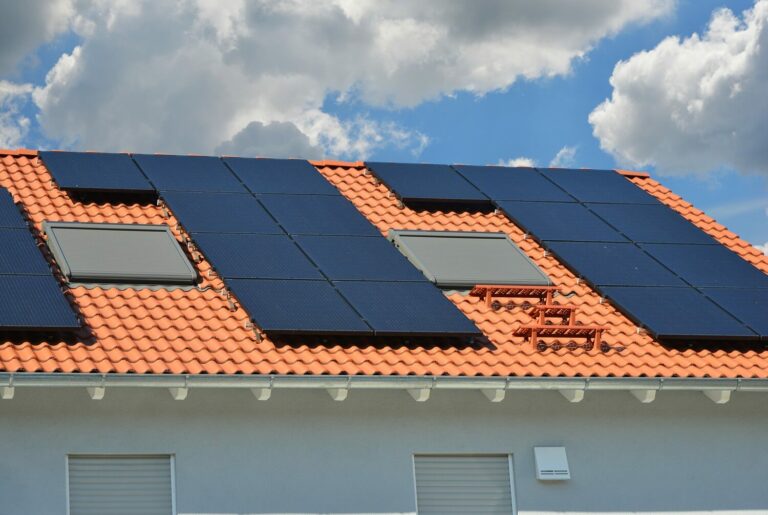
{"points": [[494, 388]]}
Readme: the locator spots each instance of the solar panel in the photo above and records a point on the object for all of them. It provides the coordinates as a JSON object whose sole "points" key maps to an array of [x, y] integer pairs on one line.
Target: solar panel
{"points": [[256, 256], [559, 221], [364, 258], [613, 264], [189, 173], [708, 265], [295, 176], [504, 183], [677, 313], [402, 308], [750, 305], [648, 223], [34, 302], [19, 255], [426, 183], [91, 171], [313, 307], [318, 214], [10, 216], [220, 212], [598, 186]]}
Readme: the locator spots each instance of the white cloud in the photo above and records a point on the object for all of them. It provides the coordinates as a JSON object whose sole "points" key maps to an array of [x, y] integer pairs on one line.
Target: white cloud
{"points": [[517, 161], [565, 158], [693, 105], [13, 124], [191, 75], [763, 248]]}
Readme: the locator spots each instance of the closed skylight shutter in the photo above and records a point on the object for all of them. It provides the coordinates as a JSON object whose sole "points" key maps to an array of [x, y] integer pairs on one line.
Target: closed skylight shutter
{"points": [[463, 484], [120, 485]]}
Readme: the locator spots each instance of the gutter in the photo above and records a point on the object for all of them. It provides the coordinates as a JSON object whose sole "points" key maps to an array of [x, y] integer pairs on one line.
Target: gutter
{"points": [[419, 387]]}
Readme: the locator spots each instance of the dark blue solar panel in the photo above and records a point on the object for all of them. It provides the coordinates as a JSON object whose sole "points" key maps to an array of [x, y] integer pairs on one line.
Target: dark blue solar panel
{"points": [[677, 313], [503, 183], [10, 216], [19, 255], [34, 302], [598, 186], [313, 307], [648, 223], [318, 214], [258, 256], [708, 265], [559, 221], [613, 264], [426, 183], [90, 171], [402, 308], [364, 258], [220, 212], [189, 173], [280, 176], [750, 305]]}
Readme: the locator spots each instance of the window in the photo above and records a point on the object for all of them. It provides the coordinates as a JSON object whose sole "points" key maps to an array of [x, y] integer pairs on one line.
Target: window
{"points": [[118, 253], [118, 485], [464, 259], [463, 484]]}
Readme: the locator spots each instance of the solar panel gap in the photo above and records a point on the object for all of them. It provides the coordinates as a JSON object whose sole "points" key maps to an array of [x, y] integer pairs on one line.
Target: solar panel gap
{"points": [[513, 183], [96, 172], [598, 186], [263, 176], [188, 173]]}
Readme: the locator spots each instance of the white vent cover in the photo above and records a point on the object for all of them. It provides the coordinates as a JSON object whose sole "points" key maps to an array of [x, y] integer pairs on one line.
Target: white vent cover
{"points": [[551, 464]]}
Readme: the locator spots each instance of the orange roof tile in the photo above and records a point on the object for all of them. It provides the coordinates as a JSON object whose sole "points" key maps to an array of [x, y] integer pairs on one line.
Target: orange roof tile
{"points": [[199, 331]]}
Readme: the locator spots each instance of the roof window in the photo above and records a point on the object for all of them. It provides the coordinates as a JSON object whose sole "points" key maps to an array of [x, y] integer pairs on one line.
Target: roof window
{"points": [[464, 259], [118, 253]]}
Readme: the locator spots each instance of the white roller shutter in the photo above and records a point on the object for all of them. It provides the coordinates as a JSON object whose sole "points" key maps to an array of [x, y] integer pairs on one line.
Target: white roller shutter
{"points": [[463, 484], [120, 485]]}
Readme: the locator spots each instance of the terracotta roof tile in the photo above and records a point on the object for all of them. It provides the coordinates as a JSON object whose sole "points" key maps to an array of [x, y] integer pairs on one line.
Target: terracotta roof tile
{"points": [[196, 331]]}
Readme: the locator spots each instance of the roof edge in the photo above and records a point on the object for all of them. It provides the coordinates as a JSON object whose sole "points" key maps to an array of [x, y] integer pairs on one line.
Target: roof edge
{"points": [[18, 152], [631, 173]]}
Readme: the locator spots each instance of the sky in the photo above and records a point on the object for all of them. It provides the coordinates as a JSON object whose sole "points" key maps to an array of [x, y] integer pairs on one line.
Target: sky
{"points": [[672, 87]]}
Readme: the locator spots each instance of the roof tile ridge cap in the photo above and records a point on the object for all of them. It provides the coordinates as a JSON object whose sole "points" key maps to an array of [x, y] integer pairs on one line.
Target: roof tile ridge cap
{"points": [[18, 152], [336, 163], [633, 173]]}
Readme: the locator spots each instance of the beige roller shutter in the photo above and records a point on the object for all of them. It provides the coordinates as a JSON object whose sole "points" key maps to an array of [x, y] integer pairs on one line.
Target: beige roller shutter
{"points": [[463, 484], [120, 485]]}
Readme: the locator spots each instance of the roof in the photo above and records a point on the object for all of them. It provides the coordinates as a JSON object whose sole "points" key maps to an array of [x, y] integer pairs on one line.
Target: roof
{"points": [[197, 331]]}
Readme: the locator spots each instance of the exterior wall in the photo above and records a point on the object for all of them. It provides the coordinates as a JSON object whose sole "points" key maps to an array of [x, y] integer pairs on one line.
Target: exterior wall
{"points": [[301, 452]]}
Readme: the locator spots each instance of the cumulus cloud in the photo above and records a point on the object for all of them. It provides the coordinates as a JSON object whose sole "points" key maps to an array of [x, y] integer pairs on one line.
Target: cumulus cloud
{"points": [[193, 75], [26, 25], [693, 105], [276, 139], [13, 125], [517, 161], [565, 158], [763, 248]]}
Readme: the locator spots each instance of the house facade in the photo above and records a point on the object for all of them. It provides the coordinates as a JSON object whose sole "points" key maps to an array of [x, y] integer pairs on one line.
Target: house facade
{"points": [[163, 393]]}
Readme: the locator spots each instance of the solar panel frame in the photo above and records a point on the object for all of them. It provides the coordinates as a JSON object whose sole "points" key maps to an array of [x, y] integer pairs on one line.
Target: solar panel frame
{"points": [[19, 255], [34, 302], [513, 183], [651, 223], [95, 171], [329, 215], [10, 215], [289, 176], [677, 313], [613, 264], [188, 173], [749, 305], [256, 256], [358, 258], [201, 212], [406, 309], [298, 307], [559, 221], [598, 186], [427, 183], [706, 266]]}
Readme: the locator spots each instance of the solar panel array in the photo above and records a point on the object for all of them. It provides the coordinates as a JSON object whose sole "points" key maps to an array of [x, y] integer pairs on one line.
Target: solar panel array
{"points": [[661, 270], [30, 296]]}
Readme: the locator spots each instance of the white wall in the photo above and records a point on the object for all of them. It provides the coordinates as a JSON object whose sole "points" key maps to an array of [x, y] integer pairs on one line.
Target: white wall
{"points": [[302, 452]]}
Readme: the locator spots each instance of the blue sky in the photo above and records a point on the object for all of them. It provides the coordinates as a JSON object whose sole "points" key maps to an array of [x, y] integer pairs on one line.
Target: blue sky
{"points": [[118, 82]]}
